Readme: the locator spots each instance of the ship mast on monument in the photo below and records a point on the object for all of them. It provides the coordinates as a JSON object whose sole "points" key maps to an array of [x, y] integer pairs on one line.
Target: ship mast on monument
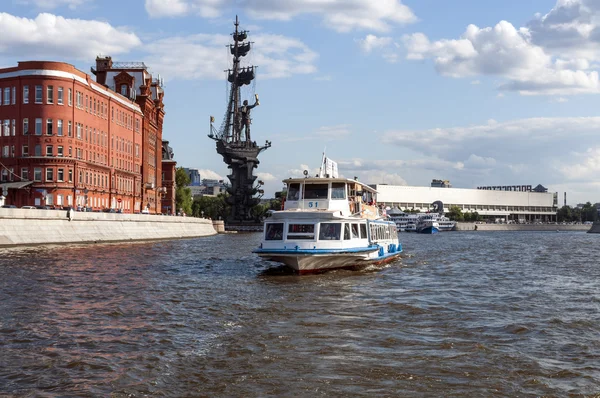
{"points": [[233, 138]]}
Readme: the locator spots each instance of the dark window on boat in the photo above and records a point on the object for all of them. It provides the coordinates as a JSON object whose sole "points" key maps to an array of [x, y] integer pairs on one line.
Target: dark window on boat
{"points": [[363, 231], [346, 231], [293, 192], [330, 231], [274, 231], [301, 231], [315, 191], [354, 230], [338, 190]]}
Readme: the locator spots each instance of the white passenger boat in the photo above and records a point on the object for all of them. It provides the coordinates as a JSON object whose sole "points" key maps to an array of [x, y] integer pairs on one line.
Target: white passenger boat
{"points": [[405, 222], [328, 223], [431, 223]]}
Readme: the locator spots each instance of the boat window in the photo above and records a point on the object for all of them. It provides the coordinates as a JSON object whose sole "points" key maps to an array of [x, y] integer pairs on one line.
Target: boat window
{"points": [[293, 192], [346, 231], [338, 190], [301, 231], [330, 231], [354, 230], [274, 231], [315, 191], [363, 231]]}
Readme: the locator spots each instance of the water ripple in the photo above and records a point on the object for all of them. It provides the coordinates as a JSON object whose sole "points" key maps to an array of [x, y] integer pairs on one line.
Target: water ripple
{"points": [[462, 314]]}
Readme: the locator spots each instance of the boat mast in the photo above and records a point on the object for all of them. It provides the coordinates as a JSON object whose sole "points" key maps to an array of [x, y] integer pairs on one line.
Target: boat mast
{"points": [[234, 85]]}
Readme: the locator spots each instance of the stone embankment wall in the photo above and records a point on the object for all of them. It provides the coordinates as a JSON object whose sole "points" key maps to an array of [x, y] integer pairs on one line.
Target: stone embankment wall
{"points": [[35, 227], [465, 226]]}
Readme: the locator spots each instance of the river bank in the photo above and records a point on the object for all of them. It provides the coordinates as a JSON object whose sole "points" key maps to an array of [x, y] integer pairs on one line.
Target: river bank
{"points": [[465, 226], [25, 227]]}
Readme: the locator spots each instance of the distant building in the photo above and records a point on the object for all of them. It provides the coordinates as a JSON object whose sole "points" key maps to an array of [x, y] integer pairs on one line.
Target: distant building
{"points": [[194, 175], [440, 184], [512, 205], [213, 187]]}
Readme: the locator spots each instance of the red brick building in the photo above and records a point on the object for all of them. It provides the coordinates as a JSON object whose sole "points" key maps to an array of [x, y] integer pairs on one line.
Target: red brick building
{"points": [[71, 141]]}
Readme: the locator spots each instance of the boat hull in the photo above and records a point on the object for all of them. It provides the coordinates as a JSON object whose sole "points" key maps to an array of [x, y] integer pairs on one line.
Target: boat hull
{"points": [[306, 263], [429, 230]]}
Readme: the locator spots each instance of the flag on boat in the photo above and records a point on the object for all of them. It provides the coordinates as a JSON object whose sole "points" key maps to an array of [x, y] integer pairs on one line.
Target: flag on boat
{"points": [[331, 168]]}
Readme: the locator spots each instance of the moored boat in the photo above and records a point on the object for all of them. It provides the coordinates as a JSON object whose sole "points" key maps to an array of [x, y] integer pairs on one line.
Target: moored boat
{"points": [[328, 223]]}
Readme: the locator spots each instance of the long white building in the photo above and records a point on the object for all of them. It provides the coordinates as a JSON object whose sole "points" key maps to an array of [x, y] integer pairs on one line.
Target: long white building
{"points": [[515, 206]]}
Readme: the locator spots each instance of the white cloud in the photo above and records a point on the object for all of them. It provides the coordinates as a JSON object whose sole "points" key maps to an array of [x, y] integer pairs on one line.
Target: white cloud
{"points": [[277, 56], [371, 42], [210, 175], [167, 8], [51, 36], [550, 151], [554, 54], [340, 15], [266, 176], [323, 133], [51, 4], [299, 172], [333, 132]]}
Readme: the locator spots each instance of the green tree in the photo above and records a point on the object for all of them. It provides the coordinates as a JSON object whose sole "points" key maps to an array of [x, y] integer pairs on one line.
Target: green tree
{"points": [[589, 212], [455, 213], [183, 194], [213, 207], [564, 214]]}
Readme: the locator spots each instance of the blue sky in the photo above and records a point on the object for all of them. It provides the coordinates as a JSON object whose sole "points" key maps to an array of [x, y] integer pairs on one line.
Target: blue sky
{"points": [[398, 92]]}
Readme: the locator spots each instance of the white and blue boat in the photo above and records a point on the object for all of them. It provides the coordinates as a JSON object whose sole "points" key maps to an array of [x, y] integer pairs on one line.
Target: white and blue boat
{"points": [[328, 223]]}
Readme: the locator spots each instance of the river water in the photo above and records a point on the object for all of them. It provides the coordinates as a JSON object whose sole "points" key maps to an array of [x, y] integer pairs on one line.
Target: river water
{"points": [[461, 314]]}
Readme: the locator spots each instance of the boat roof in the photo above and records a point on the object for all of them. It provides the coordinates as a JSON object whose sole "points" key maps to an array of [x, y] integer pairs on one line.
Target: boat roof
{"points": [[325, 180]]}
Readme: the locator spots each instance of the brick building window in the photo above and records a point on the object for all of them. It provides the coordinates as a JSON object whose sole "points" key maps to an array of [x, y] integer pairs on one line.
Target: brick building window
{"points": [[13, 128], [59, 95], [70, 97], [37, 174], [60, 175], [49, 126], [70, 175], [49, 150], [14, 95], [37, 150], [59, 151], [25, 94], [24, 173], [5, 151], [50, 94], [25, 150], [70, 129], [7, 96], [49, 174], [6, 128], [59, 127], [38, 94], [25, 126], [38, 126]]}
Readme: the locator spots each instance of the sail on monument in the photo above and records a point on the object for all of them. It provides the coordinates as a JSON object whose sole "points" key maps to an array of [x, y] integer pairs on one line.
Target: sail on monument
{"points": [[233, 138]]}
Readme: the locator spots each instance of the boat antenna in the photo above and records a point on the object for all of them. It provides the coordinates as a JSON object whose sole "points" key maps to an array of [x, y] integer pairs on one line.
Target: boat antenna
{"points": [[322, 163]]}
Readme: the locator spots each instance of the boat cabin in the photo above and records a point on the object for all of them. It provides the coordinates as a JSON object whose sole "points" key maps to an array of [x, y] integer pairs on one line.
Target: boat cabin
{"points": [[350, 197]]}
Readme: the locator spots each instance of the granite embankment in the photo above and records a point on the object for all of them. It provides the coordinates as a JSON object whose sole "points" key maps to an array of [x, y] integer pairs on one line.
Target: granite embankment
{"points": [[465, 226], [36, 227]]}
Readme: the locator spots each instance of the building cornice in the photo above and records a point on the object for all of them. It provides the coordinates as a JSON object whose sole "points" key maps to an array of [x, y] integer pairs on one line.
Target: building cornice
{"points": [[72, 76]]}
